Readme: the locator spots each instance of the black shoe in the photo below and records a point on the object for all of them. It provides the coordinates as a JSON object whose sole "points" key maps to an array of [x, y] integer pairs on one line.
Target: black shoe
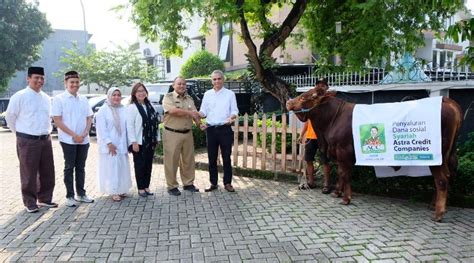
{"points": [[191, 188], [174, 192], [211, 188], [149, 193], [33, 209], [47, 204], [142, 194]]}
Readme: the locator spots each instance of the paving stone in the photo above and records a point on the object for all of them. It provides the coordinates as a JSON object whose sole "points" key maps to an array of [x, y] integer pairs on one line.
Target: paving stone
{"points": [[264, 221]]}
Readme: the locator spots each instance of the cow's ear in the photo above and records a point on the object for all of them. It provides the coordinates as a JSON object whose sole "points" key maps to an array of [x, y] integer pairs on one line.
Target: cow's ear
{"points": [[327, 95]]}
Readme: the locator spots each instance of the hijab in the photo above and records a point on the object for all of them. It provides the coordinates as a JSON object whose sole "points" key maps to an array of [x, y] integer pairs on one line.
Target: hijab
{"points": [[114, 109]]}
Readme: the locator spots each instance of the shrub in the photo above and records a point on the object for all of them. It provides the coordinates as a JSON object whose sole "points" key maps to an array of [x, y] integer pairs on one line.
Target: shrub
{"points": [[463, 182], [201, 63], [269, 137], [467, 146], [199, 137], [461, 190]]}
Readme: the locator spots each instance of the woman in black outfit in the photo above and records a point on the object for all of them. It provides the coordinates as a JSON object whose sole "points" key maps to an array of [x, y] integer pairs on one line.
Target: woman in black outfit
{"points": [[143, 136]]}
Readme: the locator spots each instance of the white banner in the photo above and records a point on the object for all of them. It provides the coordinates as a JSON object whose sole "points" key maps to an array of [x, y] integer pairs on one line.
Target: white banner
{"points": [[412, 171], [398, 134]]}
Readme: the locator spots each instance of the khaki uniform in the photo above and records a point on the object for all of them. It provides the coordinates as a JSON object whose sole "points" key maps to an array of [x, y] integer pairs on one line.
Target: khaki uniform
{"points": [[178, 142]]}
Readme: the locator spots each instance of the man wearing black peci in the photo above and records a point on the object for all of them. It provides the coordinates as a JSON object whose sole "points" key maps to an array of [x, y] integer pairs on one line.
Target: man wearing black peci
{"points": [[29, 117]]}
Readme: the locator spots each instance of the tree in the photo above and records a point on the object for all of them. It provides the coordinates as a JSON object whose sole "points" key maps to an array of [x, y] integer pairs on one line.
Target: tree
{"points": [[201, 63], [372, 31], [365, 29], [461, 31], [22, 29], [108, 69]]}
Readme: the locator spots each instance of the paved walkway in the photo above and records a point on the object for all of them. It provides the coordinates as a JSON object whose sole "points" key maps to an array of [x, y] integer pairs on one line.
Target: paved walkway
{"points": [[264, 221]]}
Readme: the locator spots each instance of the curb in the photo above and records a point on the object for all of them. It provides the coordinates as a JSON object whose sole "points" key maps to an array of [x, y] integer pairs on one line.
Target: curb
{"points": [[258, 174]]}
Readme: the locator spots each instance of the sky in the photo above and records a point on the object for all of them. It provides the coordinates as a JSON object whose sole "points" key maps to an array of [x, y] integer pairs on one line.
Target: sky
{"points": [[106, 27]]}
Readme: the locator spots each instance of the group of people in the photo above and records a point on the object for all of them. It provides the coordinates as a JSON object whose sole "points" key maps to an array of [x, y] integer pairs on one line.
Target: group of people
{"points": [[120, 130]]}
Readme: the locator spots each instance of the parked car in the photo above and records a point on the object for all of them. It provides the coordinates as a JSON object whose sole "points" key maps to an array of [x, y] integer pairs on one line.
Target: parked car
{"points": [[3, 120], [95, 103]]}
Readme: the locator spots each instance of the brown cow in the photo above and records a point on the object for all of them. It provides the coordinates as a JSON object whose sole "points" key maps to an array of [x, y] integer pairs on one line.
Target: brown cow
{"points": [[332, 118]]}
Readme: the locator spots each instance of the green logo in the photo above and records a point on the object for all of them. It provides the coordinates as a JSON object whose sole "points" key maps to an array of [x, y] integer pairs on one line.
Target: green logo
{"points": [[372, 138]]}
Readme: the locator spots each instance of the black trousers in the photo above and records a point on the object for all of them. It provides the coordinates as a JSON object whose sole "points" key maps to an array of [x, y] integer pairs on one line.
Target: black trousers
{"points": [[220, 137], [75, 156], [143, 163]]}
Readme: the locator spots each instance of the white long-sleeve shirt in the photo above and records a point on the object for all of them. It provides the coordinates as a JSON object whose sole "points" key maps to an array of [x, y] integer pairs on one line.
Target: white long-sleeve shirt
{"points": [[29, 112], [218, 106]]}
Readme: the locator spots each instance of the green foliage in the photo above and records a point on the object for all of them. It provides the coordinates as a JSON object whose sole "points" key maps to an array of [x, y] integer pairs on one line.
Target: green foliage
{"points": [[467, 146], [108, 69], [22, 29], [199, 137], [371, 30], [241, 74], [278, 136], [462, 31], [461, 190], [201, 63], [464, 181]]}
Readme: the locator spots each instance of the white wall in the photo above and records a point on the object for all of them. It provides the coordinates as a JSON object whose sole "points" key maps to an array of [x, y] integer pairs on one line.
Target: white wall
{"points": [[176, 62]]}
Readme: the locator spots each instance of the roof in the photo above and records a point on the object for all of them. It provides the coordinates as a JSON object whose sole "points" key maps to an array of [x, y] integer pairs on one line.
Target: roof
{"points": [[432, 86]]}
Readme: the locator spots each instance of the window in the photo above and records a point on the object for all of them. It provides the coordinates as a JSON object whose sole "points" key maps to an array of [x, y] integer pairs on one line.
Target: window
{"points": [[435, 59], [449, 59], [168, 65], [224, 48], [224, 41], [442, 59]]}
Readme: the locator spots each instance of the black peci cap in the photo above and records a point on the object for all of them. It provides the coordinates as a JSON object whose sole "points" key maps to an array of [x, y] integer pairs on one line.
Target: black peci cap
{"points": [[36, 70]]}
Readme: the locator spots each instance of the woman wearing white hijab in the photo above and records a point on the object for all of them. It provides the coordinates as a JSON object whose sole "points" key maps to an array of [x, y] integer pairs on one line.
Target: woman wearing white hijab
{"points": [[113, 168]]}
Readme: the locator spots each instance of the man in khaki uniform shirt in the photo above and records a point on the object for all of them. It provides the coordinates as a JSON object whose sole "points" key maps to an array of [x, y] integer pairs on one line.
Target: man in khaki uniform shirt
{"points": [[178, 142]]}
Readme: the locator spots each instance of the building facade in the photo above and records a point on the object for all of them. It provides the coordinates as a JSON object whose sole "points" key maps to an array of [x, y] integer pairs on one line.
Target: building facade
{"points": [[171, 66], [51, 51]]}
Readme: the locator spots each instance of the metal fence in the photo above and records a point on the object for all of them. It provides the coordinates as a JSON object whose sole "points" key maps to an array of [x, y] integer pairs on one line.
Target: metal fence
{"points": [[373, 76]]}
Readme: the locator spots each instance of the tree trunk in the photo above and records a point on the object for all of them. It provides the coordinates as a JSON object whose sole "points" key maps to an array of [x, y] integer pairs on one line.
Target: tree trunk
{"points": [[270, 82], [275, 86]]}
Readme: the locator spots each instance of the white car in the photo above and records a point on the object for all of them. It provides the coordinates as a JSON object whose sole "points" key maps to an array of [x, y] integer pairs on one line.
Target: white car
{"points": [[155, 99]]}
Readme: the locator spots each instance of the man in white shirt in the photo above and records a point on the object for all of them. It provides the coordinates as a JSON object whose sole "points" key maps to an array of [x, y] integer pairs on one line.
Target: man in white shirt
{"points": [[219, 107], [73, 117], [28, 116]]}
